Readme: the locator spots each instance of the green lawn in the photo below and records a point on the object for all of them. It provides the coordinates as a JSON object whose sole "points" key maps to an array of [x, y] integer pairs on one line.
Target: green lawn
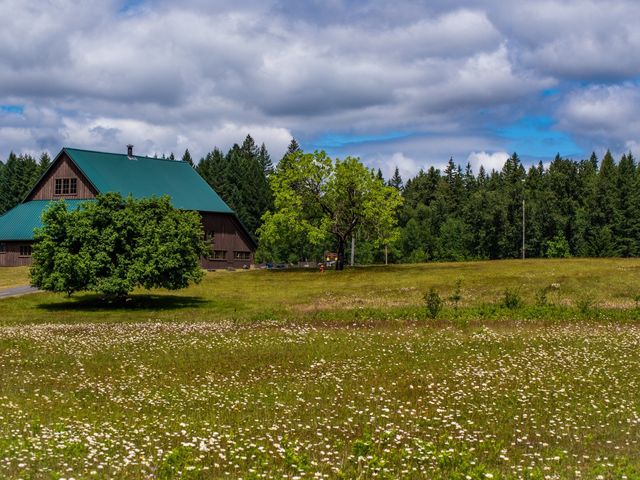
{"points": [[301, 374], [14, 276]]}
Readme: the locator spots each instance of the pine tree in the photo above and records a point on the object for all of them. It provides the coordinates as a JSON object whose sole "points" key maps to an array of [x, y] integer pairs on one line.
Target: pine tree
{"points": [[468, 180], [293, 147], [212, 169], [186, 157], [604, 209], [511, 184], [43, 163], [20, 175], [627, 228], [265, 160], [396, 180], [249, 147], [289, 154]]}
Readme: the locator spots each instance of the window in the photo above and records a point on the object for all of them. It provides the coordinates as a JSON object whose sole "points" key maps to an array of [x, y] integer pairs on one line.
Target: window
{"points": [[3, 247], [242, 255], [66, 186], [219, 255], [25, 250]]}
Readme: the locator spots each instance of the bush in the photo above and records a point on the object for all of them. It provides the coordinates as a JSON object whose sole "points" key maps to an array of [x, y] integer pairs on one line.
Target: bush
{"points": [[558, 247], [512, 299], [456, 296], [541, 296], [112, 245], [433, 302], [585, 303]]}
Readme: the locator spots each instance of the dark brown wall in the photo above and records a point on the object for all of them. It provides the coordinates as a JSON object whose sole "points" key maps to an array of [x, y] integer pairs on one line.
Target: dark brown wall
{"points": [[12, 257], [64, 168], [228, 236]]}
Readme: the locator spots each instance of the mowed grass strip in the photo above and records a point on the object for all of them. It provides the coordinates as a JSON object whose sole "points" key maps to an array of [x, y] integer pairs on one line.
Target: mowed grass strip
{"points": [[301, 374]]}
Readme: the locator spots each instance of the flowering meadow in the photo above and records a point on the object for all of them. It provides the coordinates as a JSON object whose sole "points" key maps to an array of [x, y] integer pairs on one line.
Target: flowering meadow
{"points": [[359, 387]]}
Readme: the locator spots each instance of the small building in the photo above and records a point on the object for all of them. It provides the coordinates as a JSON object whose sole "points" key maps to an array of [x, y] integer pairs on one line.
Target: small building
{"points": [[79, 175]]}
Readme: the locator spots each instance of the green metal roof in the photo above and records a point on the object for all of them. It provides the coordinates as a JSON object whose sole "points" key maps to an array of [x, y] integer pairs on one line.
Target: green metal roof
{"points": [[19, 222], [145, 177]]}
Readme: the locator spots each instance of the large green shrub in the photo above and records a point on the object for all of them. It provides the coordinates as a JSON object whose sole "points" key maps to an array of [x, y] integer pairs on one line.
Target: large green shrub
{"points": [[115, 244]]}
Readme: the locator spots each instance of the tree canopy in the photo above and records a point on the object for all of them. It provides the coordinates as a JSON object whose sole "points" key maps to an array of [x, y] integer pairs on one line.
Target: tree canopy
{"points": [[113, 245], [18, 176], [315, 197], [573, 207]]}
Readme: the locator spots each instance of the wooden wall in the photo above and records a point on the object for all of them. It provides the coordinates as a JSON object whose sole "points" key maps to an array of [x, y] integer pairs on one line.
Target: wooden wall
{"points": [[228, 236], [64, 168], [12, 256]]}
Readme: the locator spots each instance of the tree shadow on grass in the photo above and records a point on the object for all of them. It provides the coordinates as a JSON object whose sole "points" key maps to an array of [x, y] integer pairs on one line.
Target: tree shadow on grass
{"points": [[96, 303]]}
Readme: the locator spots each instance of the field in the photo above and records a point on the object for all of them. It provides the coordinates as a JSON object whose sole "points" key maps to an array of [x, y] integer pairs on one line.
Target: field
{"points": [[13, 277], [297, 374]]}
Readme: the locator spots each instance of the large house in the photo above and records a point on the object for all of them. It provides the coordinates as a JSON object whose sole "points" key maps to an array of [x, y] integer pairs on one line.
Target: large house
{"points": [[79, 175]]}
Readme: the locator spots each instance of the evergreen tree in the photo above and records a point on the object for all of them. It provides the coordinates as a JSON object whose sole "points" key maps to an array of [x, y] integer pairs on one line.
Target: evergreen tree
{"points": [[43, 163], [186, 157], [293, 147], [511, 183], [19, 176], [290, 154], [265, 160], [604, 210], [396, 180], [627, 227]]}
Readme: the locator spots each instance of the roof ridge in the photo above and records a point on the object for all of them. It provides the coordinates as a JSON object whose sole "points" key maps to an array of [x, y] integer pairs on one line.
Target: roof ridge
{"points": [[123, 155]]}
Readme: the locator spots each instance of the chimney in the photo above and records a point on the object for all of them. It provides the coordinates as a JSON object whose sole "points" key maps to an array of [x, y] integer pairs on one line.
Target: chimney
{"points": [[130, 151]]}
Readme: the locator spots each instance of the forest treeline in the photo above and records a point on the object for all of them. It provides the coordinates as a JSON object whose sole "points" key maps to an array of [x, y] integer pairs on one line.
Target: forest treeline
{"points": [[587, 207]]}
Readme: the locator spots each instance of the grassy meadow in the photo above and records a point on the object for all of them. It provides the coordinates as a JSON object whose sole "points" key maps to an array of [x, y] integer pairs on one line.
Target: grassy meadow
{"points": [[297, 374], [13, 276]]}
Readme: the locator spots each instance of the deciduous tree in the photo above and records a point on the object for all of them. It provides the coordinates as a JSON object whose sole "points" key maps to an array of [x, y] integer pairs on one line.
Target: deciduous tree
{"points": [[114, 244], [318, 197]]}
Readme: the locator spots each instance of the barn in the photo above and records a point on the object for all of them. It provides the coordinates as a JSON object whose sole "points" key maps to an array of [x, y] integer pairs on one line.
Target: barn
{"points": [[79, 175]]}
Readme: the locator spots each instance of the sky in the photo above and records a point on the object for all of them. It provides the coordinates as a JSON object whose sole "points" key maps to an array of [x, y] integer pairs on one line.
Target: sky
{"points": [[404, 84]]}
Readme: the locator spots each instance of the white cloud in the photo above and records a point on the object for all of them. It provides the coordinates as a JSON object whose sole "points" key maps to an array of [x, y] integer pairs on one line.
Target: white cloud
{"points": [[490, 161], [605, 115], [407, 167], [205, 73]]}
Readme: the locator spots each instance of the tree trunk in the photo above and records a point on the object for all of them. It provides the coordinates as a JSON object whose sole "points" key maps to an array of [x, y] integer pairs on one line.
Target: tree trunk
{"points": [[340, 260]]}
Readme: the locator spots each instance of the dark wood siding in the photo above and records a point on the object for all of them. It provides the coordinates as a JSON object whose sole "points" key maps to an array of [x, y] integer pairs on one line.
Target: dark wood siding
{"points": [[228, 237], [64, 168], [11, 257]]}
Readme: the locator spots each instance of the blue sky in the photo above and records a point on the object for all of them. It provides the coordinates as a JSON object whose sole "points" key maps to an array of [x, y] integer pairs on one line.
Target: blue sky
{"points": [[407, 84]]}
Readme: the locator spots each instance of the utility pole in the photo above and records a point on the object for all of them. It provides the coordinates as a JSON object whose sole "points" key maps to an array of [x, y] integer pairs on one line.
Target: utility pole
{"points": [[353, 249]]}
